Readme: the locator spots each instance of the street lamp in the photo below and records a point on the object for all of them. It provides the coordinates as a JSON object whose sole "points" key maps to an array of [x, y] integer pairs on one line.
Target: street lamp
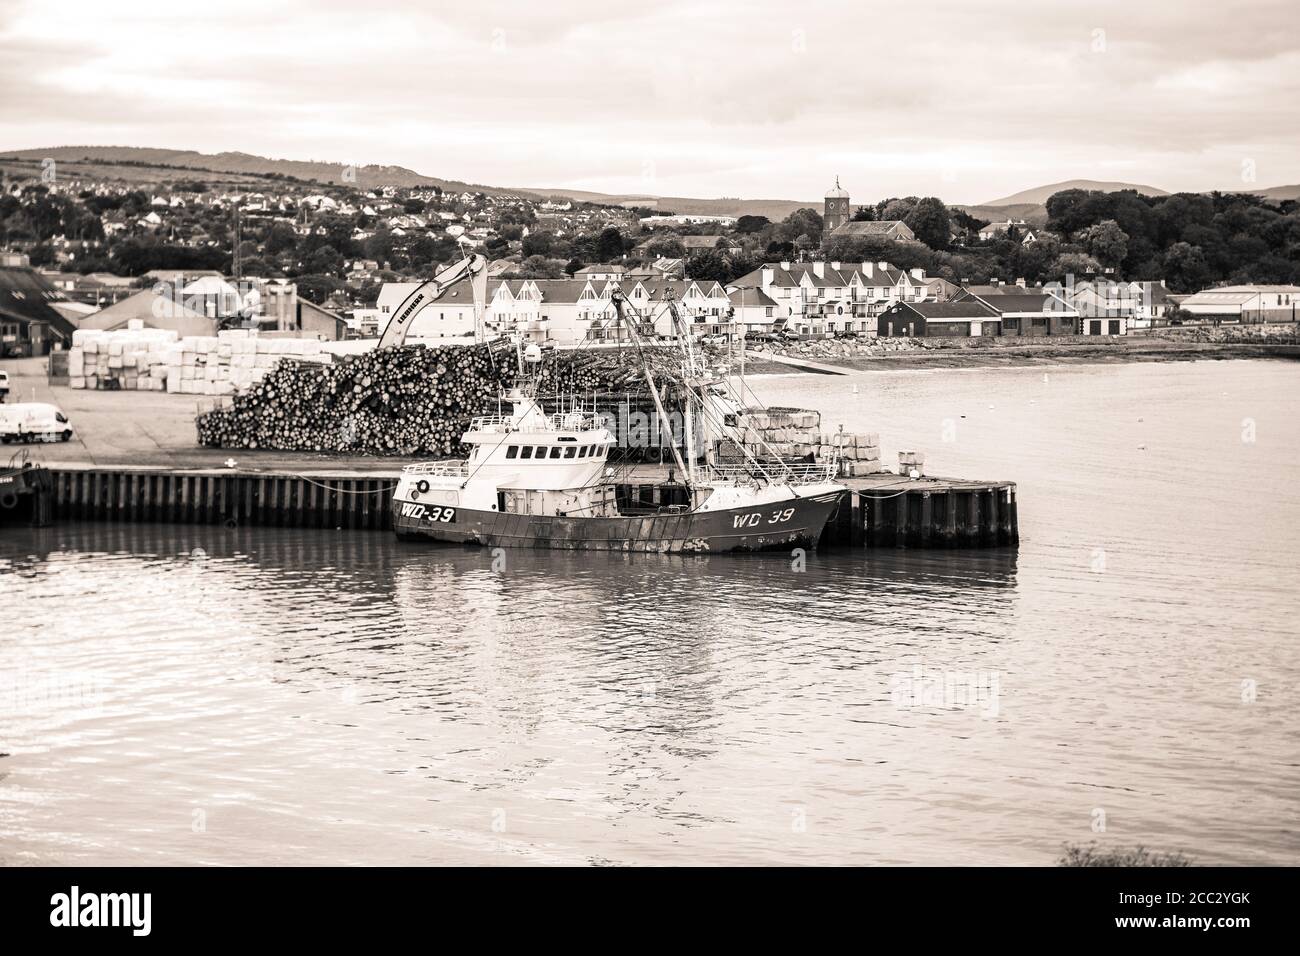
{"points": [[743, 328]]}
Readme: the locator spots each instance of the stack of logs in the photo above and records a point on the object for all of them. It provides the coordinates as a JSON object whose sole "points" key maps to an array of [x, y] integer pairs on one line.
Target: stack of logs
{"points": [[406, 401], [584, 371], [409, 401]]}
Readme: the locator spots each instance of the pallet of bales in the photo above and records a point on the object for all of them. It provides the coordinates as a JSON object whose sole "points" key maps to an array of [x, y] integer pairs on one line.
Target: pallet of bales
{"points": [[857, 454]]}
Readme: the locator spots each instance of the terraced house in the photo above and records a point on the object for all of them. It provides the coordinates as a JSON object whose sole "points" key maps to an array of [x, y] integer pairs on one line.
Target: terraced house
{"points": [[566, 312], [823, 298]]}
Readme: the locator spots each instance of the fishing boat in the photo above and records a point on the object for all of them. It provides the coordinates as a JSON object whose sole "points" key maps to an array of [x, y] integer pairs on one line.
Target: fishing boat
{"points": [[539, 479]]}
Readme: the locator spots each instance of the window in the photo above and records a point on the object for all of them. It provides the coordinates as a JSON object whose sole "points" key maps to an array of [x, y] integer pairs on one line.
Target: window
{"points": [[555, 452], [570, 452], [527, 452], [582, 452], [512, 451], [541, 452]]}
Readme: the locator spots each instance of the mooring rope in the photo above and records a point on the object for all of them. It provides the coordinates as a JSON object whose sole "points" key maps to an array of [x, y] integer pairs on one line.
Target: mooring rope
{"points": [[344, 491]]}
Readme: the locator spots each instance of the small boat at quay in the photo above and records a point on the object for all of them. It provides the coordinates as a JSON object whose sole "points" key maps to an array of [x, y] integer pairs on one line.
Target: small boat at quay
{"points": [[535, 479]]}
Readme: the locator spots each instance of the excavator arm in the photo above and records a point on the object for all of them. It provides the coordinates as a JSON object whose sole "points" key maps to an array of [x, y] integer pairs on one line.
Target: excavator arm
{"points": [[473, 267]]}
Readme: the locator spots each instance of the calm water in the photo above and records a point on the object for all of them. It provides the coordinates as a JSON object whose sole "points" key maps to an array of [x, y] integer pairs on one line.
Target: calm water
{"points": [[181, 695]]}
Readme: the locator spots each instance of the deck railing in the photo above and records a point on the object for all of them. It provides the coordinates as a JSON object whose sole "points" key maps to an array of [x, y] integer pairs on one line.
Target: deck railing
{"points": [[448, 469], [778, 472], [563, 422]]}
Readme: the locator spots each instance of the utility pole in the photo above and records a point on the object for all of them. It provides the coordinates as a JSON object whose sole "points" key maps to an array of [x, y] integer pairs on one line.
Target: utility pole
{"points": [[237, 266]]}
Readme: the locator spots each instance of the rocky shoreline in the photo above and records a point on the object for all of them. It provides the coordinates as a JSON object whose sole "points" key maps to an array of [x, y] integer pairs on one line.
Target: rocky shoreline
{"points": [[1161, 345]]}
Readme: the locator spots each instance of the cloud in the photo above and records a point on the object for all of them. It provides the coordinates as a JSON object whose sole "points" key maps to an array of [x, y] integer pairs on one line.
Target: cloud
{"points": [[760, 99]]}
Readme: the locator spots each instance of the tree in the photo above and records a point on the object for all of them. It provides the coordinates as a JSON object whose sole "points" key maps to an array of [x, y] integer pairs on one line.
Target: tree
{"points": [[708, 265], [538, 243], [891, 210], [539, 267], [317, 288], [668, 246], [324, 261], [747, 225], [609, 247], [1106, 242], [805, 223], [1073, 263], [280, 238], [1185, 268], [930, 222]]}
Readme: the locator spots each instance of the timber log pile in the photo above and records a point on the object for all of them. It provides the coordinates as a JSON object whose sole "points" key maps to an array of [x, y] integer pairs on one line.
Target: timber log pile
{"points": [[581, 372], [409, 401]]}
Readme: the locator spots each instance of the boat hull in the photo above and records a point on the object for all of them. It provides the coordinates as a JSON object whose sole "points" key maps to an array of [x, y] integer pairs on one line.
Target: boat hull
{"points": [[781, 526]]}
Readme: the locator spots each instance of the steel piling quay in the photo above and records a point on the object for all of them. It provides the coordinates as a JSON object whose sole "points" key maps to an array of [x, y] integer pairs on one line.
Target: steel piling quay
{"points": [[883, 510]]}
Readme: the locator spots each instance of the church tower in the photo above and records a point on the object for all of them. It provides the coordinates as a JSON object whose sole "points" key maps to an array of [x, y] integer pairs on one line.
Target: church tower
{"points": [[837, 208]]}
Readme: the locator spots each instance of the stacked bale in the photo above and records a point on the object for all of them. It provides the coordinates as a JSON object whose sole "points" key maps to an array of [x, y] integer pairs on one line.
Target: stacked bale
{"points": [[155, 359], [786, 433], [231, 360], [909, 461], [134, 359], [858, 454]]}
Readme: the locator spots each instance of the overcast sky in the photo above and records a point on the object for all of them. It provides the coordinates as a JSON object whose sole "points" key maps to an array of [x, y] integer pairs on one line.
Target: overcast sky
{"points": [[967, 99]]}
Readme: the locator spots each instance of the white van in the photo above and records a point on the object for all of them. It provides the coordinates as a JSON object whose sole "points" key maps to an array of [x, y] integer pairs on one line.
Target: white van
{"points": [[33, 421]]}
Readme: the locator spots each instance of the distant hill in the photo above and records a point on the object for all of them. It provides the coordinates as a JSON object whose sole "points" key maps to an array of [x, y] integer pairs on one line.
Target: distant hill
{"points": [[1033, 213], [1275, 193], [1040, 194], [142, 164], [145, 165]]}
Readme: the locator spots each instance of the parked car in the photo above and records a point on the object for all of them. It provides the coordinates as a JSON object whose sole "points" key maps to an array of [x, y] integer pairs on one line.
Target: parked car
{"points": [[761, 337], [4, 385], [785, 335], [846, 334], [33, 421], [715, 339]]}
